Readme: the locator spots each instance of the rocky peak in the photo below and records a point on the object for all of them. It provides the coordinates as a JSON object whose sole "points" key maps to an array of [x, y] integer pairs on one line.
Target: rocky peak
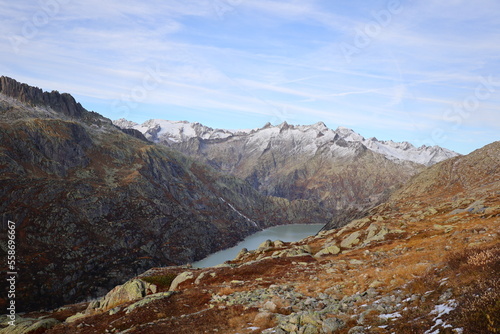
{"points": [[284, 126], [124, 124], [63, 103], [158, 130], [267, 126], [320, 126], [349, 134]]}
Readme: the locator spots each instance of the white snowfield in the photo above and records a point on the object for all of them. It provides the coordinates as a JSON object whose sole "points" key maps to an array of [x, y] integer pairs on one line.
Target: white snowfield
{"points": [[305, 138]]}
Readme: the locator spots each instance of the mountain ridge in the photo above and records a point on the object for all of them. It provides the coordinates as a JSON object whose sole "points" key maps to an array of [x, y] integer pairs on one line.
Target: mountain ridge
{"points": [[178, 131], [64, 103]]}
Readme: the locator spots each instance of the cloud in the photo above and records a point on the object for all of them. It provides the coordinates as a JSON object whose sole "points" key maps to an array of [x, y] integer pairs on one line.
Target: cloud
{"points": [[264, 59]]}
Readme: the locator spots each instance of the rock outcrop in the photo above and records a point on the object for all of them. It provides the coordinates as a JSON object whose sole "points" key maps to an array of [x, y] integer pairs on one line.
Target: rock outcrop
{"points": [[64, 103], [130, 291]]}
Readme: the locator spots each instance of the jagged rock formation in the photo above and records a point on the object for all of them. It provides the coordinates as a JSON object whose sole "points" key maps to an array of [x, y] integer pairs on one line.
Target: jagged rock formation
{"points": [[426, 264], [94, 206], [340, 170], [63, 103]]}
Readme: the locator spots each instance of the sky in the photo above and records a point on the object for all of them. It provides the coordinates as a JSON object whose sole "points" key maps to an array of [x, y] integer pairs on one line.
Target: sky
{"points": [[423, 71]]}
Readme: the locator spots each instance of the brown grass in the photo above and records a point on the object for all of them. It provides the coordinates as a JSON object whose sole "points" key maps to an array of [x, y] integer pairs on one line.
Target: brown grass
{"points": [[227, 290], [473, 275], [479, 301]]}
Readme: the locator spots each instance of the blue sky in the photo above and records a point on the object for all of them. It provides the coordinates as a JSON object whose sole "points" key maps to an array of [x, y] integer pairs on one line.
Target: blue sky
{"points": [[427, 72]]}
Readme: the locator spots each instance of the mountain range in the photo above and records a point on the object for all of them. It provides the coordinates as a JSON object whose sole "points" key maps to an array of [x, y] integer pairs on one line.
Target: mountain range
{"points": [[117, 211], [340, 170], [307, 138]]}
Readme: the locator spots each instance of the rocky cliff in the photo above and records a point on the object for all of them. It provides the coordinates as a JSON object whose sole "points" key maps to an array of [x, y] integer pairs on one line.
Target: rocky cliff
{"points": [[94, 206], [34, 96], [425, 261]]}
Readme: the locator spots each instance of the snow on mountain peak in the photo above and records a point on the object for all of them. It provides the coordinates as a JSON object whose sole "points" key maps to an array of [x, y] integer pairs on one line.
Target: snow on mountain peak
{"points": [[349, 135], [124, 124], [320, 126], [305, 137], [158, 130]]}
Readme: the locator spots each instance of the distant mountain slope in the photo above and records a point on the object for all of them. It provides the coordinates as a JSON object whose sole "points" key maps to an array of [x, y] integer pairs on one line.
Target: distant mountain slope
{"points": [[476, 175], [94, 205], [339, 169]]}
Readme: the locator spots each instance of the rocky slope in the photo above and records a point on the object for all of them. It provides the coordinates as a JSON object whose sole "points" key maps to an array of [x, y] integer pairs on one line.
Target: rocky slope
{"points": [[340, 170], [94, 205], [425, 261]]}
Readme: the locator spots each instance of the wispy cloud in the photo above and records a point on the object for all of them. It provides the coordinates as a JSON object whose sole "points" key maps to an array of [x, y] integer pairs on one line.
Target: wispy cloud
{"points": [[266, 60]]}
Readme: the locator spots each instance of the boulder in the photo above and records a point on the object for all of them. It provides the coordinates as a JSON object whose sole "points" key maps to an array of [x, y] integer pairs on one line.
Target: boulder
{"points": [[75, 317], [131, 290], [241, 253], [270, 306], [445, 228], [351, 240], [332, 325], [376, 284], [373, 236], [311, 318], [185, 276], [200, 277], [328, 250], [358, 223], [42, 325], [265, 245], [278, 243], [357, 330], [293, 251], [28, 325]]}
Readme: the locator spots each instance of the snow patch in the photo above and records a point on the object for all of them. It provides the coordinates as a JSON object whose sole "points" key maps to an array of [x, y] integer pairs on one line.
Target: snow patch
{"points": [[390, 316], [441, 310], [239, 213]]}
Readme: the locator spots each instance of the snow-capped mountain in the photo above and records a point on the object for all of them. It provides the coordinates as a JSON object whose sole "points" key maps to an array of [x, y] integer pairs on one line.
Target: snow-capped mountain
{"points": [[306, 138], [404, 151], [158, 130], [338, 169]]}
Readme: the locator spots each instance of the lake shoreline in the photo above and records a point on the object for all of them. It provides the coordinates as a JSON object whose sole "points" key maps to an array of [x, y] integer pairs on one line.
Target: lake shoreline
{"points": [[285, 233]]}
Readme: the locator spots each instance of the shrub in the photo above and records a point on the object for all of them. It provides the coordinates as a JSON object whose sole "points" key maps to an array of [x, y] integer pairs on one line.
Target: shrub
{"points": [[479, 310]]}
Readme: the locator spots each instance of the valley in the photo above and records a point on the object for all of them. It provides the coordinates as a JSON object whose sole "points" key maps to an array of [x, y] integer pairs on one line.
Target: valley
{"points": [[110, 215], [421, 263]]}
